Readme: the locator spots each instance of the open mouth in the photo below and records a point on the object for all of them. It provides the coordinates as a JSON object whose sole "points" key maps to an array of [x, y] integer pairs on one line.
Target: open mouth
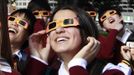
{"points": [[62, 39], [12, 30], [112, 20]]}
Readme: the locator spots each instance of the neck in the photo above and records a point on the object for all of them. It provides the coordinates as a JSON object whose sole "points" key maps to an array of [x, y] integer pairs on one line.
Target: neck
{"points": [[67, 57], [15, 47]]}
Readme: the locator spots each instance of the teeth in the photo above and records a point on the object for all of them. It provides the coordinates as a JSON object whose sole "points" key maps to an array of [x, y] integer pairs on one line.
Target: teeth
{"points": [[61, 39], [111, 21], [12, 30]]}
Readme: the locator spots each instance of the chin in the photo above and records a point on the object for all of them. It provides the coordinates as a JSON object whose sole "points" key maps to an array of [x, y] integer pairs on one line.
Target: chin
{"points": [[60, 49]]}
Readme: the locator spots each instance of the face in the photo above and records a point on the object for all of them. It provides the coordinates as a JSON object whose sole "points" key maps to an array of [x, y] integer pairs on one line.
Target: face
{"points": [[41, 14], [65, 39], [17, 32], [111, 18]]}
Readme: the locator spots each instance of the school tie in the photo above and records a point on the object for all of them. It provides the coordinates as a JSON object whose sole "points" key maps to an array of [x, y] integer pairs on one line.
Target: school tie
{"points": [[15, 61]]}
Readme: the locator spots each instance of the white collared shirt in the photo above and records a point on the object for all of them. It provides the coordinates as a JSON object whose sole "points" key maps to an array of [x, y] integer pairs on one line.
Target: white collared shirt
{"points": [[74, 62], [4, 66], [18, 53]]}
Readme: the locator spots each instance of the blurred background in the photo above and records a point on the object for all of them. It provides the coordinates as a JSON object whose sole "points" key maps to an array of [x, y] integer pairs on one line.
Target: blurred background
{"points": [[127, 7]]}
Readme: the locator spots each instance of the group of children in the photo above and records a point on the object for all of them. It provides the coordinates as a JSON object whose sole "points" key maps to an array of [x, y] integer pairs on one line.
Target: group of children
{"points": [[67, 42]]}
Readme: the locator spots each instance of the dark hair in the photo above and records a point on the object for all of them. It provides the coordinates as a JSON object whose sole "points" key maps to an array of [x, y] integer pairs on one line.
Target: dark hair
{"points": [[87, 25], [104, 9], [29, 16], [83, 4], [89, 7], [6, 52], [39, 5]]}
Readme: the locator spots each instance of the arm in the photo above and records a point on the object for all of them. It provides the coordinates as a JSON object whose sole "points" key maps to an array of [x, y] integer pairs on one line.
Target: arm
{"points": [[35, 67], [121, 69], [77, 66], [39, 48], [124, 66], [78, 70], [113, 72], [107, 44]]}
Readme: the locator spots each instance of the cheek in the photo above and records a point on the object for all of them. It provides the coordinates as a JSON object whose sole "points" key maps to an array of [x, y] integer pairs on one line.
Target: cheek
{"points": [[105, 24], [10, 23], [51, 36], [45, 18], [132, 51]]}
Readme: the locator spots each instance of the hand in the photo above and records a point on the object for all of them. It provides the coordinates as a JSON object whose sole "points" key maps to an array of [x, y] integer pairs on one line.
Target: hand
{"points": [[125, 52], [39, 45], [89, 51]]}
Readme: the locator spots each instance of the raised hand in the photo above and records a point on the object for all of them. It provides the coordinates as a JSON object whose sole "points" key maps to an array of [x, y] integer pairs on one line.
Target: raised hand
{"points": [[89, 51], [39, 45], [125, 52]]}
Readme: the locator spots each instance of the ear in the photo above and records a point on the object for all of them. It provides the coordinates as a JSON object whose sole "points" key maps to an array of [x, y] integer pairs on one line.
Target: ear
{"points": [[121, 18]]}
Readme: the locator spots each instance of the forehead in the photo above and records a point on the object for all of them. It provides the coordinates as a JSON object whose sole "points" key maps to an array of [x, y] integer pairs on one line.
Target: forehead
{"points": [[64, 14], [109, 11], [20, 15]]}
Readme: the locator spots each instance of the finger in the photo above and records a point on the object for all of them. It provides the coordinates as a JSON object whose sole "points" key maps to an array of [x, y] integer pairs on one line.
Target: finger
{"points": [[85, 49], [95, 44], [37, 36], [125, 52], [41, 32], [48, 43], [90, 43], [96, 47]]}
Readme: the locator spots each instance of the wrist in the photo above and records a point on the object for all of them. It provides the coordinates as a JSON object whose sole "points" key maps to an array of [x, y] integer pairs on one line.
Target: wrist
{"points": [[125, 62]]}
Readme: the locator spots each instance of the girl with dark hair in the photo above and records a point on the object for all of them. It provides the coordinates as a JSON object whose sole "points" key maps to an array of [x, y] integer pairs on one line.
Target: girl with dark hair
{"points": [[20, 27], [42, 12], [5, 50], [40, 8], [72, 35]]}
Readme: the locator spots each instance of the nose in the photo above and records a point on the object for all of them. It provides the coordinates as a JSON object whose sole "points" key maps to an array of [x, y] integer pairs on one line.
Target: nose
{"points": [[110, 17], [40, 16], [60, 30], [14, 24]]}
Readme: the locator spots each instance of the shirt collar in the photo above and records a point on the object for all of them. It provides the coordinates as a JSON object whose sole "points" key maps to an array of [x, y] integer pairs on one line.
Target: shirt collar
{"points": [[62, 70], [18, 54], [4, 66]]}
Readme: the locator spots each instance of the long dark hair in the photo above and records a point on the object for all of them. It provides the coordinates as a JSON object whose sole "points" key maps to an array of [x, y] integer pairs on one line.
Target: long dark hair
{"points": [[5, 46], [87, 24]]}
